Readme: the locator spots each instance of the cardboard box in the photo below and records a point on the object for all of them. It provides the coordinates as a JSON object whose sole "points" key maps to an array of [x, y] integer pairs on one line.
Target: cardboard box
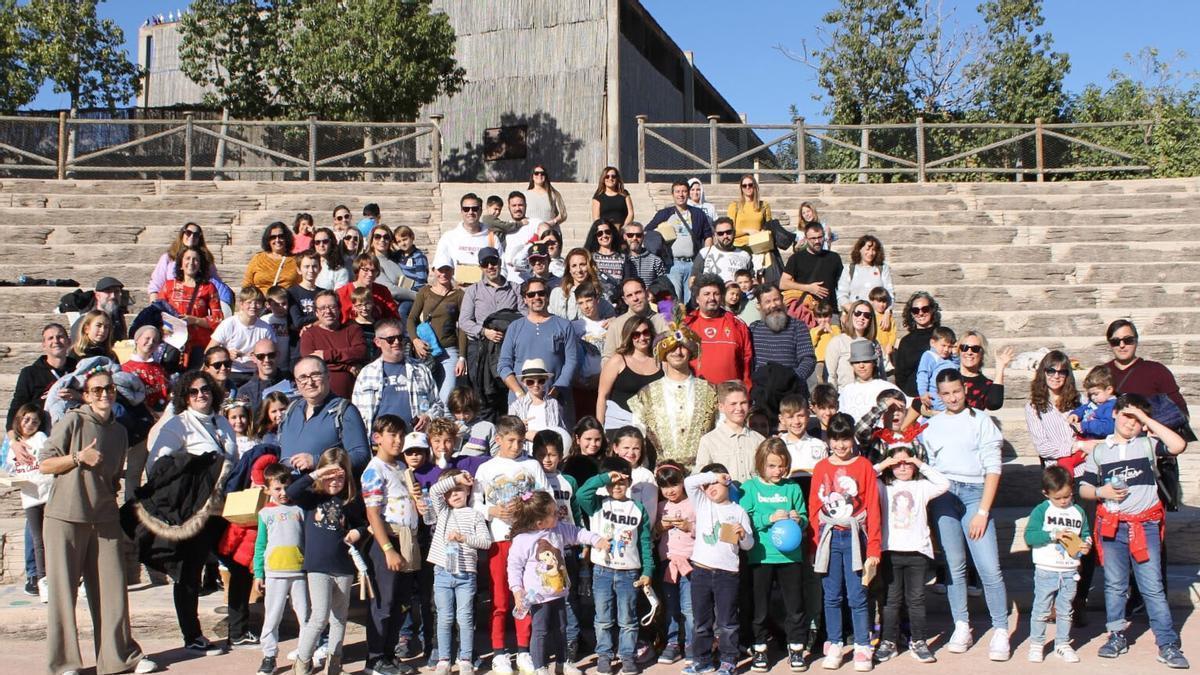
{"points": [[760, 242], [242, 507], [468, 274]]}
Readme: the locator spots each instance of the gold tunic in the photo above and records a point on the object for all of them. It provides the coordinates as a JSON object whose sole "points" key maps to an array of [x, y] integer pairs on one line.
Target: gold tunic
{"points": [[674, 422]]}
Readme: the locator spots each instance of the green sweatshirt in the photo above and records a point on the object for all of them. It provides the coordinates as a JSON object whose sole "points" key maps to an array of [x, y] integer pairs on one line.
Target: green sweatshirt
{"points": [[761, 500], [1045, 521], [622, 522]]}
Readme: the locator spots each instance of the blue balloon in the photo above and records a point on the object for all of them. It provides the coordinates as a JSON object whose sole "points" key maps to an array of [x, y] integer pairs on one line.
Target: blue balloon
{"points": [[786, 535]]}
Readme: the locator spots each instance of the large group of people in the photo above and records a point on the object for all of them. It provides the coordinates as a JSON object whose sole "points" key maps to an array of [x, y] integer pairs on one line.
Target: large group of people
{"points": [[704, 409]]}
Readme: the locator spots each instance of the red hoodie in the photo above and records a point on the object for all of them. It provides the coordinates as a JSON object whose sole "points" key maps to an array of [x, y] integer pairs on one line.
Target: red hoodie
{"points": [[852, 486]]}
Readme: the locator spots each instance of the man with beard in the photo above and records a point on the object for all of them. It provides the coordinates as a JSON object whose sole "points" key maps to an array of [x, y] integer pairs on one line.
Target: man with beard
{"points": [[633, 292], [269, 377], [812, 273], [781, 341], [721, 258], [106, 298], [726, 353], [540, 335]]}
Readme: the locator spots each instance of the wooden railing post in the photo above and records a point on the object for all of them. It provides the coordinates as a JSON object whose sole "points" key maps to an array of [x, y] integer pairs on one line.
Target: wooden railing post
{"points": [[188, 124], [312, 147], [435, 148], [714, 173], [801, 150], [864, 144], [641, 128], [1039, 147], [62, 145], [920, 149]]}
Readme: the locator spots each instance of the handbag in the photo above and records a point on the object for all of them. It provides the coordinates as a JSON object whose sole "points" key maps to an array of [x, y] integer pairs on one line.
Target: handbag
{"points": [[428, 335]]}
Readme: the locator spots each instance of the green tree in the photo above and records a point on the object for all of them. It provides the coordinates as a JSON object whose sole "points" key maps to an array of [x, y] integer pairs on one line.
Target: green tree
{"points": [[373, 60], [1022, 76], [82, 54], [238, 49], [18, 82]]}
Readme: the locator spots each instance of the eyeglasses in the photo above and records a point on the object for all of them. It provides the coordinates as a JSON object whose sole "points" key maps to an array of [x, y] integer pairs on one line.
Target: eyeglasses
{"points": [[604, 233], [724, 233], [415, 451], [611, 176], [265, 356], [310, 378], [490, 262], [634, 235], [381, 237], [472, 209], [1119, 341], [220, 365], [1060, 372], [536, 294], [97, 392], [923, 309], [329, 308], [193, 233], [354, 237], [864, 315], [539, 173], [202, 390], [322, 242], [530, 381], [642, 334], [974, 349], [345, 216], [390, 339], [747, 186]]}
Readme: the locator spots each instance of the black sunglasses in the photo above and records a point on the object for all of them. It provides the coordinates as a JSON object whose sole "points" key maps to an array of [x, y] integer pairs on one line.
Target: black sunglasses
{"points": [[202, 390], [472, 209], [1126, 340], [265, 356], [536, 294], [924, 309], [1050, 370], [723, 233], [390, 339], [974, 349], [219, 365]]}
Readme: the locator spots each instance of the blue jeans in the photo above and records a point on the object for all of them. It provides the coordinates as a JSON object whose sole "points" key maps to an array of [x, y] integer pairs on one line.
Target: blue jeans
{"points": [[1117, 564], [952, 513], [842, 585], [1059, 588], [30, 559], [680, 624], [454, 596], [571, 558], [444, 373], [615, 587], [678, 274]]}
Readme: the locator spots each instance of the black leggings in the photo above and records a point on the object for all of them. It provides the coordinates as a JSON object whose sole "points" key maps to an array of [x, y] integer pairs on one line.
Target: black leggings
{"points": [[904, 575], [791, 586]]}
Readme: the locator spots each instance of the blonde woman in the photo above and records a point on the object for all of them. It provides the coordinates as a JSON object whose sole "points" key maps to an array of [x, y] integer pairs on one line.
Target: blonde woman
{"points": [[95, 336], [857, 322], [749, 213]]}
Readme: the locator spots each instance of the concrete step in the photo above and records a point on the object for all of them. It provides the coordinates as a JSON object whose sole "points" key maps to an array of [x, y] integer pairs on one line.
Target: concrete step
{"points": [[1026, 297], [361, 189], [107, 252], [1016, 383], [320, 205], [1018, 272], [1020, 323], [852, 189]]}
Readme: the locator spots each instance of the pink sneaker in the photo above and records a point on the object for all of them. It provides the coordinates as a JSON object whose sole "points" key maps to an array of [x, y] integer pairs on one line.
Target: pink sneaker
{"points": [[864, 661]]}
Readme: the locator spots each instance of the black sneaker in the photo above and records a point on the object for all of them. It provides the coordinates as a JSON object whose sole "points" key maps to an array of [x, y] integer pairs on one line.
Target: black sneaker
{"points": [[201, 645], [796, 660], [920, 651], [408, 649], [381, 666], [1114, 647], [267, 667], [246, 639], [885, 650], [759, 664], [670, 654], [31, 587], [572, 651]]}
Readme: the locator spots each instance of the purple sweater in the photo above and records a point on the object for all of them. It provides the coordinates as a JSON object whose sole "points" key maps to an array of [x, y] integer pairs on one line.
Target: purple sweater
{"points": [[536, 565]]}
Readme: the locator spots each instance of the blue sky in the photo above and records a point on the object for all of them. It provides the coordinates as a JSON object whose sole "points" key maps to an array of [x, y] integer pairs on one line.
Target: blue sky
{"points": [[735, 42]]}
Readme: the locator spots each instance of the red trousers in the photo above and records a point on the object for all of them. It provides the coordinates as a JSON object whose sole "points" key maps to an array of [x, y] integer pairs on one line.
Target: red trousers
{"points": [[502, 601]]}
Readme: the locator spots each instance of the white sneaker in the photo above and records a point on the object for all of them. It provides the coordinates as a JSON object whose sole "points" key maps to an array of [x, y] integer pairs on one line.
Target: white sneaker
{"points": [[466, 668], [44, 591], [147, 666], [998, 648], [541, 671], [1037, 653], [291, 656], [502, 664], [569, 668], [525, 664], [442, 668], [319, 655], [1067, 654], [833, 656], [960, 640]]}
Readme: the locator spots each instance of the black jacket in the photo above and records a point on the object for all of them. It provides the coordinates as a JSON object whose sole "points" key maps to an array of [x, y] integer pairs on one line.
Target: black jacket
{"points": [[907, 357], [32, 384], [176, 514]]}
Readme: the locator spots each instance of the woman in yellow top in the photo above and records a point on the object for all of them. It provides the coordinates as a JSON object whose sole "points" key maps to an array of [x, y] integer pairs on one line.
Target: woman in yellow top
{"points": [[274, 265], [749, 213]]}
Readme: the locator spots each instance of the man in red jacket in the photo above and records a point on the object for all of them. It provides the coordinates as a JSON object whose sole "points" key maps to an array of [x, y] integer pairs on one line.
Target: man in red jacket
{"points": [[725, 351]]}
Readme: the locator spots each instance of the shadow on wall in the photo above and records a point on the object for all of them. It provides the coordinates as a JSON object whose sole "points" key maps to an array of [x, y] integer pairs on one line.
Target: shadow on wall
{"points": [[545, 144]]}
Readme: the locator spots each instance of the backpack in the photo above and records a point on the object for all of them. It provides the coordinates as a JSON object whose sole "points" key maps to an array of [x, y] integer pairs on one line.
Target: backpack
{"points": [[339, 411]]}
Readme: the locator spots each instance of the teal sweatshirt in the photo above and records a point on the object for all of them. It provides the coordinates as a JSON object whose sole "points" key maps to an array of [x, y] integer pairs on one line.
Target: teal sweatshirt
{"points": [[761, 500], [622, 522]]}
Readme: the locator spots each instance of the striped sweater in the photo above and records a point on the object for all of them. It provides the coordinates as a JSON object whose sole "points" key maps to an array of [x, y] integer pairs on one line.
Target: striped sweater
{"points": [[465, 520]]}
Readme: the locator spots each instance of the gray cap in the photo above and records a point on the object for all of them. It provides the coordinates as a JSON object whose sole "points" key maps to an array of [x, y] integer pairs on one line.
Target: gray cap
{"points": [[108, 284], [862, 350]]}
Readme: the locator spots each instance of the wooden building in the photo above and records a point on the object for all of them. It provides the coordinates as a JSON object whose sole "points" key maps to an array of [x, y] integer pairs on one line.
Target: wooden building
{"points": [[555, 83]]}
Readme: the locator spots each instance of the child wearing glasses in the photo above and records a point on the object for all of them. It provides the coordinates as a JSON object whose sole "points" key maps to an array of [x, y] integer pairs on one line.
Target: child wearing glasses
{"points": [[939, 357]]}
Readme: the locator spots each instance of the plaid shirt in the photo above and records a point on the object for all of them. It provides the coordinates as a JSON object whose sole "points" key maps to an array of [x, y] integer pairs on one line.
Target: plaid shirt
{"points": [[422, 391]]}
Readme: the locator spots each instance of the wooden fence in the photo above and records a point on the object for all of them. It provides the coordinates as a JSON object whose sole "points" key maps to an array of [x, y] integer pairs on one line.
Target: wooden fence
{"points": [[309, 149], [917, 151]]}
